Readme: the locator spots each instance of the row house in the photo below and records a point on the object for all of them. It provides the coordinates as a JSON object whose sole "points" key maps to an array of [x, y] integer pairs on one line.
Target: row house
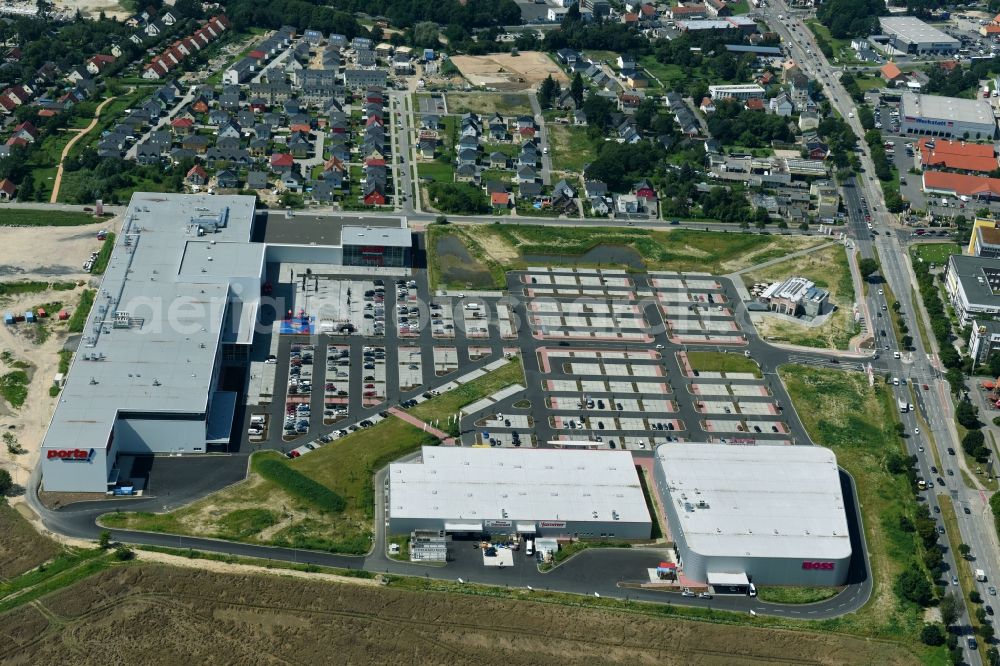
{"points": [[173, 55]]}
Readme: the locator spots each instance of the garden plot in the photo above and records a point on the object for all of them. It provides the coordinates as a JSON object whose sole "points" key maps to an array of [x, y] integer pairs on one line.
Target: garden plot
{"points": [[410, 368], [336, 390], [445, 360]]}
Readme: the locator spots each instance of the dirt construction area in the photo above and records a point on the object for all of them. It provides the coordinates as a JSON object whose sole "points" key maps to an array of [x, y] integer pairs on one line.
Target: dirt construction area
{"points": [[42, 255], [158, 614], [503, 71]]}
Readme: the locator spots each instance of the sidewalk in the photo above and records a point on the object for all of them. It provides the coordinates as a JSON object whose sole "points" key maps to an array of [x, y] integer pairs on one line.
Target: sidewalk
{"points": [[445, 438]]}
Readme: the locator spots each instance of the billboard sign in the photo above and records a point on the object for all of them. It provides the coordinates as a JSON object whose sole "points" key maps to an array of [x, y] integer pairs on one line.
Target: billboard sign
{"points": [[497, 523], [552, 523]]}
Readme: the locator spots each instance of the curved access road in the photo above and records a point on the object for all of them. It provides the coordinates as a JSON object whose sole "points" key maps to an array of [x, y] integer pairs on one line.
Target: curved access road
{"points": [[69, 146]]}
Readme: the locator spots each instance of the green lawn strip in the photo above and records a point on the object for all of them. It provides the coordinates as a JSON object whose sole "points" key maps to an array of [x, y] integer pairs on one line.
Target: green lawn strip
{"points": [[840, 411], [935, 253], [66, 569], [32, 287], [709, 361], [41, 217], [79, 317], [966, 578], [925, 338], [796, 595], [104, 256], [440, 408]]}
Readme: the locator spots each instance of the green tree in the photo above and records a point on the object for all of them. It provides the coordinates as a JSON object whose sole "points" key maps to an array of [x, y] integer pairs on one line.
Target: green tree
{"points": [[950, 609], [912, 585], [964, 549], [6, 482], [548, 91], [932, 634], [972, 441], [425, 35], [867, 266], [104, 541], [123, 553], [967, 415], [576, 89]]}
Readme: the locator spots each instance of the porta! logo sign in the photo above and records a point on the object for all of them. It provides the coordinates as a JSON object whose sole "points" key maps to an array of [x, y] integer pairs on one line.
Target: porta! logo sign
{"points": [[72, 455], [822, 566]]}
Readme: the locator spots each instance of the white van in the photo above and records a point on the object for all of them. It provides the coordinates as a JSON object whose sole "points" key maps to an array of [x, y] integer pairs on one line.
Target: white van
{"points": [[529, 547], [895, 354], [472, 306], [257, 419], [895, 381]]}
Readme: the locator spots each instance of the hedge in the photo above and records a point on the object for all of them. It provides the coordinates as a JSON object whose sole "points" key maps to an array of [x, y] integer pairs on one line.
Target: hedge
{"points": [[301, 486]]}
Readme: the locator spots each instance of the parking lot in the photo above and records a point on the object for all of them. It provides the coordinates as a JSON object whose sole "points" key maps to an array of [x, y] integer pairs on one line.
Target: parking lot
{"points": [[598, 374]]}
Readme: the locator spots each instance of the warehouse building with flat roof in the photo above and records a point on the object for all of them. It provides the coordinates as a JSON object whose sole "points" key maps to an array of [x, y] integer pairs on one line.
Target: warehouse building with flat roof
{"points": [[911, 35], [770, 515], [174, 316], [179, 299], [933, 115], [495, 491]]}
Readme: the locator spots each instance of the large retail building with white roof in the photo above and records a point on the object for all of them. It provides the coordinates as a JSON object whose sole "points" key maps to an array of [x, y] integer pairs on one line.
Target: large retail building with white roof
{"points": [[178, 303], [771, 515], [546, 492]]}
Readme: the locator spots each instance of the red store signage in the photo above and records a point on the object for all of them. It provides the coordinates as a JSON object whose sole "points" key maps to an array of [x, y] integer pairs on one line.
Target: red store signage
{"points": [[824, 566], [75, 455]]}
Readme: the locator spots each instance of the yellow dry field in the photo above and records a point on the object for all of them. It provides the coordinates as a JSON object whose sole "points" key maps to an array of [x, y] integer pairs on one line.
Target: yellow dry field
{"points": [[506, 72]]}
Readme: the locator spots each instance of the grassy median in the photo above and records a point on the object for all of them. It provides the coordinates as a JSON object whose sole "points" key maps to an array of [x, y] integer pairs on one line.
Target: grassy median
{"points": [[840, 411]]}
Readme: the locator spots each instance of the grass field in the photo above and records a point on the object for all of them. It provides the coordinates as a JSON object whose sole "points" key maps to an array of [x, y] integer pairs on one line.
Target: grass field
{"points": [[840, 411], [571, 148], [498, 248], [261, 511], [437, 171], [707, 361], [27, 217], [829, 269], [795, 595], [487, 103], [257, 618], [21, 547], [935, 253], [439, 408]]}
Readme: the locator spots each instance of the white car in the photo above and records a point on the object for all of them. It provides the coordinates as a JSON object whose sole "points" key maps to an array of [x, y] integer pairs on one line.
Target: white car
{"points": [[916, 431]]}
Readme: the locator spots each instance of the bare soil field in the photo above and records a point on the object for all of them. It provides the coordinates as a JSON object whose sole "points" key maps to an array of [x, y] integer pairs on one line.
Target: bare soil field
{"points": [[21, 547], [44, 254], [506, 72], [156, 614], [89, 8]]}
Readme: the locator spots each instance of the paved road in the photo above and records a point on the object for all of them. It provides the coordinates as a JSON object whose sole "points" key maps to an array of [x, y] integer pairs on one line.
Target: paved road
{"points": [[918, 363]]}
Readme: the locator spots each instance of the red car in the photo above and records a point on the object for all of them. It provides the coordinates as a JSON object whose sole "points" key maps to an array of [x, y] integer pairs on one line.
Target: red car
{"points": [[926, 387]]}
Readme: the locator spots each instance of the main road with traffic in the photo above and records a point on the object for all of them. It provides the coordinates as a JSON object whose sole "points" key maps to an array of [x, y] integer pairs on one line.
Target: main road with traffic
{"points": [[919, 366]]}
